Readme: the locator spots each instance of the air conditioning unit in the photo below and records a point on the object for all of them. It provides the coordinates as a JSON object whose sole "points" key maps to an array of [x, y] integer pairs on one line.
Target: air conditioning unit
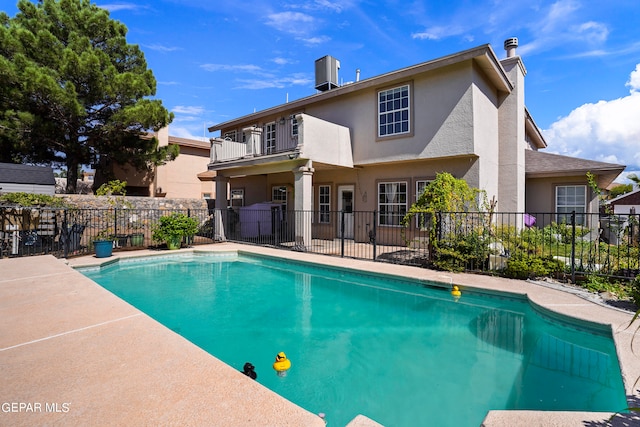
{"points": [[327, 73]]}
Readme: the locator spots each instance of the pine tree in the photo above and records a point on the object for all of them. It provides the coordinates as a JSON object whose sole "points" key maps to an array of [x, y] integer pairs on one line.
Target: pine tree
{"points": [[74, 92]]}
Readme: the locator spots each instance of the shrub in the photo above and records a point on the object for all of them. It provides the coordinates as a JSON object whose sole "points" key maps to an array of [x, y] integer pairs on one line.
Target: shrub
{"points": [[635, 291], [29, 200], [524, 266], [173, 226]]}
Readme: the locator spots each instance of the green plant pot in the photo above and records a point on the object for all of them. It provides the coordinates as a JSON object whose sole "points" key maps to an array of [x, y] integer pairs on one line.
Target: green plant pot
{"points": [[103, 248], [137, 239], [174, 242]]}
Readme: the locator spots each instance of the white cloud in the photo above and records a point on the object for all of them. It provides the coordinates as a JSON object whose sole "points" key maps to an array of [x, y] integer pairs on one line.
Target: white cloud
{"points": [[634, 79], [291, 22], [183, 132], [298, 79], [114, 7], [316, 40], [607, 131], [226, 67], [161, 48], [182, 109]]}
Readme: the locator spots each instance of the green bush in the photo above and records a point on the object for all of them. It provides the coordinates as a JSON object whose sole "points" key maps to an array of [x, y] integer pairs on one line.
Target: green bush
{"points": [[174, 226], [524, 266], [462, 252], [635, 291], [29, 200]]}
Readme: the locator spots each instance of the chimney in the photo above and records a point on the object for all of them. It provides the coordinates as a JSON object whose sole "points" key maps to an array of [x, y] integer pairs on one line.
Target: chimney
{"points": [[358, 75], [510, 46]]}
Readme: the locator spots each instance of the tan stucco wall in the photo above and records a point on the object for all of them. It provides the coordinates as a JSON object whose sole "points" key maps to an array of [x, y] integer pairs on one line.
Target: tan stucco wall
{"points": [[511, 110], [179, 178], [540, 197]]}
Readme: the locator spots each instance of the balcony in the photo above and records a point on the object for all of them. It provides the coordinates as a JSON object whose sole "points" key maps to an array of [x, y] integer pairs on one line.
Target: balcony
{"points": [[302, 136], [256, 141]]}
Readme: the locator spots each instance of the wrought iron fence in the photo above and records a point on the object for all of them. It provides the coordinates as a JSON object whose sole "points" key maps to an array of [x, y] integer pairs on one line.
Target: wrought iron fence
{"points": [[487, 242]]}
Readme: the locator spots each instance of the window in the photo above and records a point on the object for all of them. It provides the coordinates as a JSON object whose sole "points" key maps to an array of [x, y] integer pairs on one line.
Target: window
{"points": [[571, 198], [421, 220], [392, 202], [270, 138], [230, 136], [206, 195], [294, 126], [393, 111], [279, 194], [324, 204], [237, 197]]}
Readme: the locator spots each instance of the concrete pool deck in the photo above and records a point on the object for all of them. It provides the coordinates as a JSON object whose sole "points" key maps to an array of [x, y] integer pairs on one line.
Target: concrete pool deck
{"points": [[71, 353]]}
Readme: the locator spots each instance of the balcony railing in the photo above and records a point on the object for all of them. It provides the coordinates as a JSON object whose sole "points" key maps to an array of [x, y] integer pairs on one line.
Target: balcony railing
{"points": [[255, 141]]}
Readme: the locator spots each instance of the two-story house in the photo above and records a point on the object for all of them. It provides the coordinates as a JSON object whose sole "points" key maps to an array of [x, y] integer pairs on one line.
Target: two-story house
{"points": [[373, 144]]}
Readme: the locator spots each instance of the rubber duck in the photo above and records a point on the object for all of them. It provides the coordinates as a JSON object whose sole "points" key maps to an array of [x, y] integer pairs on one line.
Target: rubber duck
{"points": [[455, 293], [282, 364], [249, 370]]}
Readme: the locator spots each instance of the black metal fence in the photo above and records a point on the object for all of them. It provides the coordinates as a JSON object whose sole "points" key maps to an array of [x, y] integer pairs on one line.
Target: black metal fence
{"points": [[581, 243]]}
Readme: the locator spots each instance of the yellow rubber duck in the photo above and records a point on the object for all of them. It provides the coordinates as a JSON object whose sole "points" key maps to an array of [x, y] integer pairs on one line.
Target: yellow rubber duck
{"points": [[455, 293], [282, 364]]}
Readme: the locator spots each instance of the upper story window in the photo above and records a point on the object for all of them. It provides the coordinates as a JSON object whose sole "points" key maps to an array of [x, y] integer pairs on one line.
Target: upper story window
{"points": [[571, 198], [393, 111], [270, 138], [294, 126], [230, 136]]}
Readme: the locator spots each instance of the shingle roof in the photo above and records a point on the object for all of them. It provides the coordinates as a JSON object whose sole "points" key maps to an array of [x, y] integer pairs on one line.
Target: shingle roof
{"points": [[26, 174], [542, 165]]}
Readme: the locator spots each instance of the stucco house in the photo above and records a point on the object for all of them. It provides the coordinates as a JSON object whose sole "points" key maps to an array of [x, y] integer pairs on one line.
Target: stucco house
{"points": [[373, 144], [184, 177]]}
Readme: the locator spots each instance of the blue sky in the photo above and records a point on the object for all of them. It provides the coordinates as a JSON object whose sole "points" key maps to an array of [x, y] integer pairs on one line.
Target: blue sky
{"points": [[217, 60]]}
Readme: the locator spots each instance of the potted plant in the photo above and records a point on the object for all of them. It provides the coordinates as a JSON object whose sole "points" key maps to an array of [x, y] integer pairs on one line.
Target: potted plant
{"points": [[136, 228], [103, 241], [171, 229]]}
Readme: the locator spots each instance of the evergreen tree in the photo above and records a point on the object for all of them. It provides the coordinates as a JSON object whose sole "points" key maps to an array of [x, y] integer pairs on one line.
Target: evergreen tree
{"points": [[73, 92]]}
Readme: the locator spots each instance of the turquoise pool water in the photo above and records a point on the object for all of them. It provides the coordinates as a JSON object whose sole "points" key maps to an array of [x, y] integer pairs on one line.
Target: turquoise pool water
{"points": [[401, 352]]}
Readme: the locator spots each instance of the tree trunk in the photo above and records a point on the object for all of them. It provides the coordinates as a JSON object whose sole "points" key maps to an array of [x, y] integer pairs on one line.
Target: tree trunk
{"points": [[72, 175]]}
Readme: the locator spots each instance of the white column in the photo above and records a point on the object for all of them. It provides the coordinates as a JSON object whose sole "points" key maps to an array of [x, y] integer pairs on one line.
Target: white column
{"points": [[222, 196], [303, 194]]}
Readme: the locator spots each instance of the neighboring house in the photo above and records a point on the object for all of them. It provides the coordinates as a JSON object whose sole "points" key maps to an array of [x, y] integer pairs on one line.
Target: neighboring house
{"points": [[628, 203], [559, 184], [175, 179], [16, 178], [373, 144]]}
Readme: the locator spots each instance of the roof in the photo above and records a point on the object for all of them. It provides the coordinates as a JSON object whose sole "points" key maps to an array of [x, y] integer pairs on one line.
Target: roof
{"points": [[185, 142], [632, 198], [544, 165], [483, 55], [26, 174]]}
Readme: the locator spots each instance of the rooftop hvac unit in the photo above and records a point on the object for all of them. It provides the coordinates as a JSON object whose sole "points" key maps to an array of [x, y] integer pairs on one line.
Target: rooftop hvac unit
{"points": [[327, 73]]}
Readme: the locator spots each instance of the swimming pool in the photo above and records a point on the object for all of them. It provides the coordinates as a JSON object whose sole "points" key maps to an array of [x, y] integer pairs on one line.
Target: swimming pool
{"points": [[401, 352]]}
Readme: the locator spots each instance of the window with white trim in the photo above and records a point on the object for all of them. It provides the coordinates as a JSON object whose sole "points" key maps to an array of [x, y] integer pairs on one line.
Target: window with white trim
{"points": [[324, 204], [571, 198], [393, 111], [294, 126], [270, 138], [237, 197], [392, 202], [230, 136], [279, 195]]}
